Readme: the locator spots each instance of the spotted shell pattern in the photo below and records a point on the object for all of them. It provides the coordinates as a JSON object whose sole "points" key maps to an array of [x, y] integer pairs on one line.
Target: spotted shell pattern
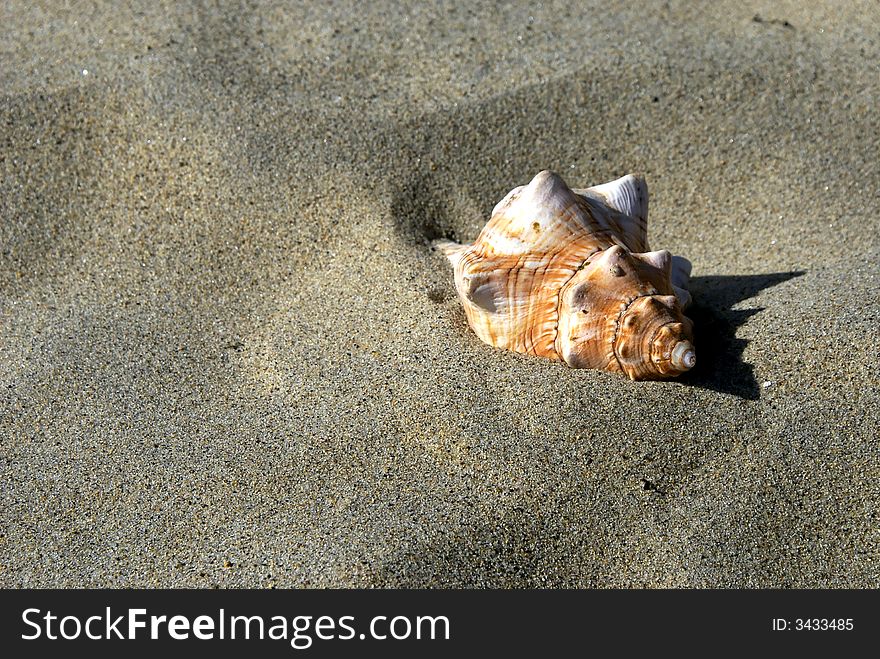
{"points": [[567, 274]]}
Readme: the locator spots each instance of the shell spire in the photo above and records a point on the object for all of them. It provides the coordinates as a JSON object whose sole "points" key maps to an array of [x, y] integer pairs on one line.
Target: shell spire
{"points": [[567, 274]]}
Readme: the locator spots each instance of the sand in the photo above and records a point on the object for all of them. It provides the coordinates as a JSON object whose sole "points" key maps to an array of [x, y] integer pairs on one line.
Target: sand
{"points": [[228, 356]]}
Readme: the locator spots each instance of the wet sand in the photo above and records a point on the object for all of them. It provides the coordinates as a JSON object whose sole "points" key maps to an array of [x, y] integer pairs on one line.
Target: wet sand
{"points": [[229, 357]]}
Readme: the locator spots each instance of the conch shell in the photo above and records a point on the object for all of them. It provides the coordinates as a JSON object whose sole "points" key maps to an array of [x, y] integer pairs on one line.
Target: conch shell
{"points": [[567, 274]]}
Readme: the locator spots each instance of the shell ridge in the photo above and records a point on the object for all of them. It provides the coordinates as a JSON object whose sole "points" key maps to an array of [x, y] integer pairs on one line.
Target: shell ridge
{"points": [[581, 224], [630, 230], [556, 347], [629, 302], [532, 339], [512, 279], [573, 270]]}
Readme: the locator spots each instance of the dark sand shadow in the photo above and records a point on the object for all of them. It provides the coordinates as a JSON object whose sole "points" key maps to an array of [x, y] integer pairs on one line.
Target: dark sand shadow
{"points": [[720, 366], [506, 551], [421, 215]]}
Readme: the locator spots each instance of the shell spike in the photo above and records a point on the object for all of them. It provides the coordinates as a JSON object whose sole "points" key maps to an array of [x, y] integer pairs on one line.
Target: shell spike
{"points": [[681, 271], [628, 194], [681, 274], [627, 199], [546, 183], [451, 250], [662, 260]]}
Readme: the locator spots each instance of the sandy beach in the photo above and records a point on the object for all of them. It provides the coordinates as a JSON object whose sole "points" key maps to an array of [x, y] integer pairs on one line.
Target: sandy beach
{"points": [[229, 356]]}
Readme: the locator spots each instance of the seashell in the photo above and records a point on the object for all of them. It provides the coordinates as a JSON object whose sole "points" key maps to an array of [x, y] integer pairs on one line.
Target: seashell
{"points": [[567, 274]]}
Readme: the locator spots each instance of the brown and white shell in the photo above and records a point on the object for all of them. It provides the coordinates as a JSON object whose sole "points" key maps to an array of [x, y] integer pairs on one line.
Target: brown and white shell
{"points": [[567, 274]]}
